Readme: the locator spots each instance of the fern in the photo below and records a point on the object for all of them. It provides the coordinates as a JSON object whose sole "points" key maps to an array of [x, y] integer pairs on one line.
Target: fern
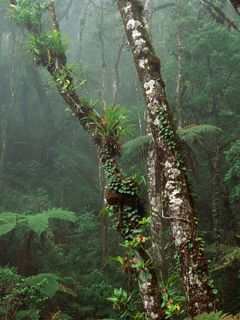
{"points": [[61, 214], [211, 316], [134, 146], [230, 258], [28, 314], [38, 223], [189, 134], [47, 283], [194, 133], [8, 222]]}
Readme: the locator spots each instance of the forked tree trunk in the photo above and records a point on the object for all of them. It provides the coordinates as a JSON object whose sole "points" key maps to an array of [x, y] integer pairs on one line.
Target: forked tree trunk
{"points": [[122, 192], [177, 202]]}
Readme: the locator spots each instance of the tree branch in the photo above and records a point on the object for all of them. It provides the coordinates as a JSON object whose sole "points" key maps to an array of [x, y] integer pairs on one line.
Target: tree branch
{"points": [[218, 15]]}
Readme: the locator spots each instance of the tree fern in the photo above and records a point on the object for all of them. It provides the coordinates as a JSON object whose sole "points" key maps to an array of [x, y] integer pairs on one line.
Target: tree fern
{"points": [[189, 134], [61, 214], [38, 222], [134, 146], [212, 316], [8, 222], [47, 283], [194, 133]]}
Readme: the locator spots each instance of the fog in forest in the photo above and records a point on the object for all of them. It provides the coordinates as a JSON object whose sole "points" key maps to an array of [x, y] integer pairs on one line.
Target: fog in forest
{"points": [[119, 159]]}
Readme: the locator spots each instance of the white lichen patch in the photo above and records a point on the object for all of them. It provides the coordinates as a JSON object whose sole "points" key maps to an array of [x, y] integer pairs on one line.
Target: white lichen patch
{"points": [[127, 8], [142, 63], [154, 315], [139, 44], [136, 34], [178, 234], [133, 24], [149, 86]]}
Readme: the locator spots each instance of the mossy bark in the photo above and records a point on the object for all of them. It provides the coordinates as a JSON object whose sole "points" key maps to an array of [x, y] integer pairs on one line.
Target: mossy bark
{"points": [[177, 202]]}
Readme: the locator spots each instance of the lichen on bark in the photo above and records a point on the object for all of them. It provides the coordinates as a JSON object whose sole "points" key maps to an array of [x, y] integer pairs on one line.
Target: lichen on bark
{"points": [[174, 182]]}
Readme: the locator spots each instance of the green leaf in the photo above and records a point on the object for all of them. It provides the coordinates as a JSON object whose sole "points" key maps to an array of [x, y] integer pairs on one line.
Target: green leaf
{"points": [[38, 223], [8, 222], [195, 133], [47, 283], [61, 214]]}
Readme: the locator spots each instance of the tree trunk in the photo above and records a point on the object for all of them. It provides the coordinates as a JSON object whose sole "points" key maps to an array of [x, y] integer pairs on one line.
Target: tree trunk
{"points": [[122, 193], [10, 107], [4, 123], [154, 196], [155, 206], [179, 79], [104, 218], [216, 206], [177, 201]]}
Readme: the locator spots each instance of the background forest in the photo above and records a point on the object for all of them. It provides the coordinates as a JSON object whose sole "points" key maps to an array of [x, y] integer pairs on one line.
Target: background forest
{"points": [[59, 251]]}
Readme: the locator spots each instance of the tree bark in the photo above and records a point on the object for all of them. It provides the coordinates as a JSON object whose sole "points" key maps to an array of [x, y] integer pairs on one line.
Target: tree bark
{"points": [[216, 206], [179, 78], [236, 5], [177, 201], [155, 205], [154, 195]]}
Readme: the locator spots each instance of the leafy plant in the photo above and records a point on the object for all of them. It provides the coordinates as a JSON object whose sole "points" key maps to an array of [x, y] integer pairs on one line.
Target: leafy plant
{"points": [[195, 133], [135, 145], [46, 45], [230, 257], [211, 316], [114, 125], [26, 297], [233, 174], [173, 302], [38, 222], [29, 13]]}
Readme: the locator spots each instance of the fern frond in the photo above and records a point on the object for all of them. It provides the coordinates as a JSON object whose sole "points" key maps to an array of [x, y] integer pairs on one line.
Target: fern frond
{"points": [[27, 314], [47, 283], [134, 146], [61, 214], [8, 222], [212, 316], [38, 222], [194, 133]]}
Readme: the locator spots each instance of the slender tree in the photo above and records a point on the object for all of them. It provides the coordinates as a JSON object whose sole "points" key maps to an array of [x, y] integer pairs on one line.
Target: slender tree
{"points": [[8, 109], [175, 194]]}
